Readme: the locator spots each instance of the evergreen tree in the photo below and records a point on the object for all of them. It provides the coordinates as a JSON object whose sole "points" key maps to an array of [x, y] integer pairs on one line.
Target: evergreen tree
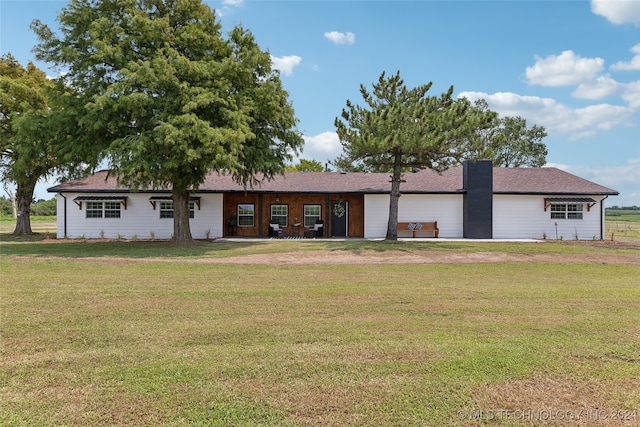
{"points": [[401, 128]]}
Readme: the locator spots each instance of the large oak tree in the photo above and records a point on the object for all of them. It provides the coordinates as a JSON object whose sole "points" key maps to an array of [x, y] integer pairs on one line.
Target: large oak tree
{"points": [[169, 97], [25, 152], [402, 128]]}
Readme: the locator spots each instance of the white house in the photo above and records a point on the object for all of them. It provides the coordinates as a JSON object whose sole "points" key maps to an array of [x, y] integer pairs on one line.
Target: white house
{"points": [[473, 201]]}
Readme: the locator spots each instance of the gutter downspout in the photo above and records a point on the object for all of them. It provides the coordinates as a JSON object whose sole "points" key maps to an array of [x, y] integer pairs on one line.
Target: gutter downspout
{"points": [[65, 214], [602, 215]]}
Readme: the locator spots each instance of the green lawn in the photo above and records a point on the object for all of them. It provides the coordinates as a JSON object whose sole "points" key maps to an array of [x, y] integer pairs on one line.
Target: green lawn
{"points": [[123, 338]]}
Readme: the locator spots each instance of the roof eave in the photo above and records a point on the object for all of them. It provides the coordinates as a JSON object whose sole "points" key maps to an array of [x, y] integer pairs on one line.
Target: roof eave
{"points": [[559, 193]]}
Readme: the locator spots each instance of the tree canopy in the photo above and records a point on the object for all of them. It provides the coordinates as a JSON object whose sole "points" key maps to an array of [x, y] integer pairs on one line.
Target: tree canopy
{"points": [[26, 152], [510, 143], [305, 165], [168, 98], [402, 128]]}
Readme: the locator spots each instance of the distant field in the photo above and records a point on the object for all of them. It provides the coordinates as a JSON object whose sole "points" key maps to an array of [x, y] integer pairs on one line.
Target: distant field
{"points": [[39, 224], [629, 215], [622, 223]]}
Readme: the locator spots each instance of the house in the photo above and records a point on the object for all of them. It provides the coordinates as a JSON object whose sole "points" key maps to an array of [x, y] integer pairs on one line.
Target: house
{"points": [[476, 200]]}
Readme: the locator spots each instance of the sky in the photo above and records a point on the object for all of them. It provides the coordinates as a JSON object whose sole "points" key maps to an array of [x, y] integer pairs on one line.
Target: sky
{"points": [[572, 67]]}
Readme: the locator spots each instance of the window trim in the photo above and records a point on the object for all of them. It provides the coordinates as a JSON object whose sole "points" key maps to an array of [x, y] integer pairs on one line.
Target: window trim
{"points": [[111, 209], [252, 216], [279, 216], [563, 211], [97, 209], [168, 210], [165, 207], [305, 216], [94, 210]]}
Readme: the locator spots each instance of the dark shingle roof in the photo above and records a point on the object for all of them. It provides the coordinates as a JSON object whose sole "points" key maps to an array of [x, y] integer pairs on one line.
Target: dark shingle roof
{"points": [[505, 181], [544, 181]]}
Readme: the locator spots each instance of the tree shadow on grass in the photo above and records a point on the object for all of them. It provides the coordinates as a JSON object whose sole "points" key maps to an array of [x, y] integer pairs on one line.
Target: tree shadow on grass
{"points": [[35, 245]]}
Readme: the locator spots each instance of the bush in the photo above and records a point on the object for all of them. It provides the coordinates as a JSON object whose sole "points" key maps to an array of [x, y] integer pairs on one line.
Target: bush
{"points": [[5, 206], [44, 207]]}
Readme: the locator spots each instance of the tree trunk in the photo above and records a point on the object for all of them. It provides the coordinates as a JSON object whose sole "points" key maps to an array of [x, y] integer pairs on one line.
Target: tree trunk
{"points": [[24, 197], [181, 227], [394, 198]]}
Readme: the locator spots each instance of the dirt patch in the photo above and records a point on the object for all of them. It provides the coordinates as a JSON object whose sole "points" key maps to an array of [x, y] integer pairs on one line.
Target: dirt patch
{"points": [[422, 257], [618, 243], [367, 257]]}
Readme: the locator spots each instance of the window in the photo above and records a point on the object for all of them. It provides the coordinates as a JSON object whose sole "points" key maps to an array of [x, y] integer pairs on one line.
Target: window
{"points": [[103, 210], [566, 211], [112, 209], [311, 214], [279, 214], [166, 209], [94, 209], [246, 215]]}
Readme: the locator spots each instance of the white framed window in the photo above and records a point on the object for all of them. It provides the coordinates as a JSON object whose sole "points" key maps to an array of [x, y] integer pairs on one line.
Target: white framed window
{"points": [[112, 209], [566, 210], [103, 210], [246, 215], [94, 210], [166, 209], [312, 213], [280, 215]]}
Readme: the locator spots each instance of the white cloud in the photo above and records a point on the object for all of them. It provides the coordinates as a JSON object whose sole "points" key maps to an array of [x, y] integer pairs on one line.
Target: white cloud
{"points": [[618, 11], [322, 147], [633, 65], [228, 6], [286, 64], [563, 70], [340, 38], [603, 116], [556, 118], [623, 178], [599, 88], [631, 94]]}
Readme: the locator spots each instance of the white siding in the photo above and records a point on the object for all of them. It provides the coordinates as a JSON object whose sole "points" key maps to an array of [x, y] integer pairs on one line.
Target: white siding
{"points": [[524, 217], [444, 208], [376, 215], [139, 219]]}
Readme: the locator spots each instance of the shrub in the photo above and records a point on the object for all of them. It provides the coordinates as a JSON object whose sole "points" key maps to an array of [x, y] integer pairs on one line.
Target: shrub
{"points": [[44, 207]]}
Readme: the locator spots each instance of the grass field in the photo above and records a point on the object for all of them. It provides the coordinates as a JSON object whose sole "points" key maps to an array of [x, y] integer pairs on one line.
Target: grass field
{"points": [[622, 223], [147, 333], [39, 224]]}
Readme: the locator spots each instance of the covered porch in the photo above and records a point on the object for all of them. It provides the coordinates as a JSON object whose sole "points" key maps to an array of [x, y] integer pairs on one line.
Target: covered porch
{"points": [[250, 214]]}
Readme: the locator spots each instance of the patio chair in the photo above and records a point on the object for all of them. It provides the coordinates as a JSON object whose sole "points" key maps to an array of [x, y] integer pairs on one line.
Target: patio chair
{"points": [[316, 231], [277, 231]]}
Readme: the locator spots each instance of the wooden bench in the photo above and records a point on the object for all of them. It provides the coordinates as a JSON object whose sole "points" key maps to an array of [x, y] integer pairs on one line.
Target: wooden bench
{"points": [[419, 226]]}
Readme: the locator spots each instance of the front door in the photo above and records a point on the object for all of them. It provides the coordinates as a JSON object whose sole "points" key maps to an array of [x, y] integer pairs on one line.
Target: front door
{"points": [[339, 218]]}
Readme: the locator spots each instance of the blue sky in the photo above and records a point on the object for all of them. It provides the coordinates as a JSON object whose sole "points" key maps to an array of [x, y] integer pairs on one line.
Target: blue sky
{"points": [[570, 66]]}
